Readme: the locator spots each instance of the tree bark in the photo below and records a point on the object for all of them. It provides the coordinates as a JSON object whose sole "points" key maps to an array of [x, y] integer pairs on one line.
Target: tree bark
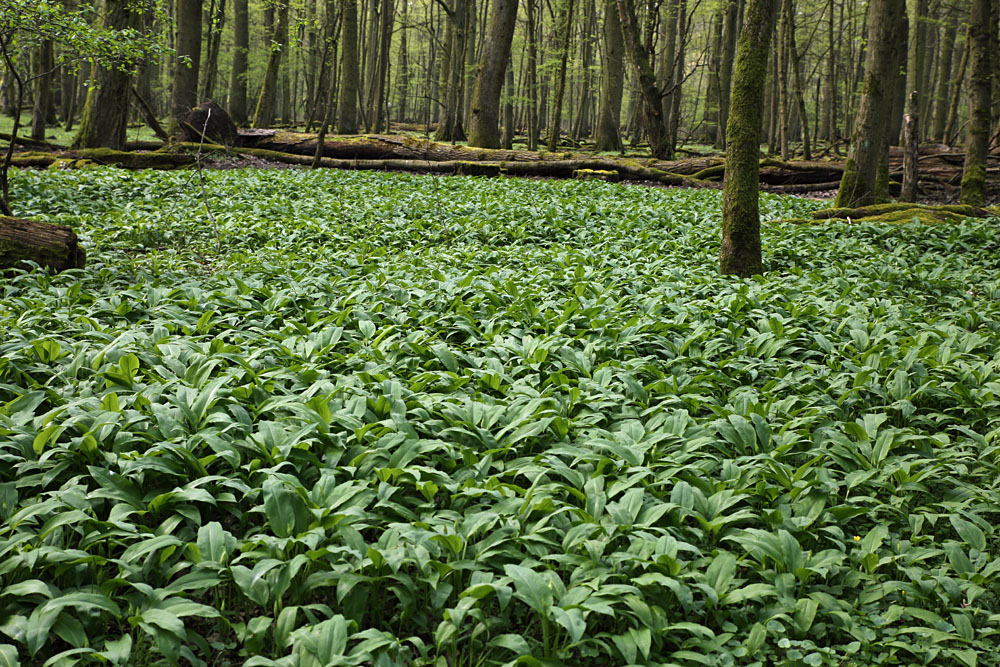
{"points": [[911, 143], [484, 129], [347, 115], [186, 67], [216, 24], [264, 115], [450, 126], [858, 186], [565, 27], [726, 68], [652, 108], [740, 254], [945, 57], [43, 90], [105, 113], [54, 247], [241, 49], [606, 135], [796, 66], [980, 99]]}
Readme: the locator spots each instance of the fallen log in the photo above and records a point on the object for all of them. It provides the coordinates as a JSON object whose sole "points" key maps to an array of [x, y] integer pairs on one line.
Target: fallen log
{"points": [[54, 247], [88, 157], [895, 213]]}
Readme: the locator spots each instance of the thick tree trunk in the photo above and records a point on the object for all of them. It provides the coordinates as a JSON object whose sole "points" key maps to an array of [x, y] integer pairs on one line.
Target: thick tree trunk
{"points": [[740, 254], [606, 135], [484, 127], [347, 115], [54, 247], [264, 115], [980, 99], [450, 126], [186, 67], [105, 113], [858, 186], [652, 108]]}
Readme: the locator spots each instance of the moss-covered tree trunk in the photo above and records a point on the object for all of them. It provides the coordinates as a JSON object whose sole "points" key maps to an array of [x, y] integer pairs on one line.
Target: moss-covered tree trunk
{"points": [[105, 113], [347, 112], [980, 110], [606, 136], [726, 67], [741, 253], [484, 129], [52, 246], [858, 185]]}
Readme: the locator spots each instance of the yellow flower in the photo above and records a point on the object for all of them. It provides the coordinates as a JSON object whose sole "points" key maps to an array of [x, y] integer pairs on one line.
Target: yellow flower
{"points": [[857, 539]]}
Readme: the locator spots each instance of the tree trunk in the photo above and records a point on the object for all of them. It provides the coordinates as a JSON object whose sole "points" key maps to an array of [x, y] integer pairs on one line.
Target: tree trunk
{"points": [[54, 247], [581, 127], [565, 27], [241, 49], [829, 127], [980, 112], [726, 68], [652, 108], [679, 74], [911, 143], [740, 254], [711, 113], [403, 69], [858, 186], [453, 74], [186, 67], [508, 109], [105, 113], [956, 91], [784, 128], [793, 53], [264, 115], [945, 58], [606, 135], [347, 113], [484, 127], [216, 24], [43, 90]]}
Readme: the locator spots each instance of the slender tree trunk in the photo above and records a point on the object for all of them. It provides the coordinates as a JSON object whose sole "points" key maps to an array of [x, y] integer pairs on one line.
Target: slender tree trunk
{"points": [[186, 67], [784, 128], [980, 100], [484, 127], [241, 50], [652, 109], [945, 58], [453, 74], [216, 24], [829, 131], [403, 69], [565, 27], [606, 135], [898, 59], [668, 64], [729, 29], [956, 91], [43, 90], [386, 20], [711, 114], [581, 127], [532, 76], [347, 116], [740, 254], [797, 85], [858, 184], [911, 142], [105, 113], [264, 116], [680, 72], [508, 109]]}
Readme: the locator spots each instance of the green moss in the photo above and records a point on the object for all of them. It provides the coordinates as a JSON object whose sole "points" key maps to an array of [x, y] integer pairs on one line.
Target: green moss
{"points": [[974, 185], [848, 185], [597, 175]]}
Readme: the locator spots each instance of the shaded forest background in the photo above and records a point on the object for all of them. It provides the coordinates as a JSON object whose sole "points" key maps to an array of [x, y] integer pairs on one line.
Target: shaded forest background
{"points": [[576, 72]]}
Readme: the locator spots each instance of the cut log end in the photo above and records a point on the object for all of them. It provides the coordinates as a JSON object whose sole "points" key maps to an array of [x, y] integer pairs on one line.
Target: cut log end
{"points": [[54, 247]]}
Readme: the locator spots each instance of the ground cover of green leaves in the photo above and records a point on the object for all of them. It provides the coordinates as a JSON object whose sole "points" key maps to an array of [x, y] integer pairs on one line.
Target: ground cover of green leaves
{"points": [[461, 421]]}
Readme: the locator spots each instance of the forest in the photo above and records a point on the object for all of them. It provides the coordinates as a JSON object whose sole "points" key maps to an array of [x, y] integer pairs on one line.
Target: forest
{"points": [[464, 333]]}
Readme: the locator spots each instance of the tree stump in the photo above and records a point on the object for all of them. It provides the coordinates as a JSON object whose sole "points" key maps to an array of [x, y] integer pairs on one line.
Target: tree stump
{"points": [[212, 120], [53, 246]]}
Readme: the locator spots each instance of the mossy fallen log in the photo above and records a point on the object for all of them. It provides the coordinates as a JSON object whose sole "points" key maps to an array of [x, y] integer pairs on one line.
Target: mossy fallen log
{"points": [[87, 157], [53, 246], [895, 213]]}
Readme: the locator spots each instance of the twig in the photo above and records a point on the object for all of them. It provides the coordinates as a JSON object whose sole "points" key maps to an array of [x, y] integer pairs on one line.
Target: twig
{"points": [[204, 195]]}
